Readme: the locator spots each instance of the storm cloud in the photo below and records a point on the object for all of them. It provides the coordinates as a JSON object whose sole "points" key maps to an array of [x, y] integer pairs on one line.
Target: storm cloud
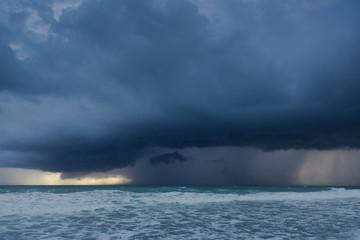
{"points": [[167, 158], [91, 86]]}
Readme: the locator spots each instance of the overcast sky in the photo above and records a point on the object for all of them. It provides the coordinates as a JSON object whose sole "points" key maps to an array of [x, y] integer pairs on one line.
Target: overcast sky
{"points": [[181, 92]]}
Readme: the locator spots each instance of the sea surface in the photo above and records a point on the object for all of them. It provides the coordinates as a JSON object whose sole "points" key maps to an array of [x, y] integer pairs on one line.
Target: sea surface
{"points": [[179, 212]]}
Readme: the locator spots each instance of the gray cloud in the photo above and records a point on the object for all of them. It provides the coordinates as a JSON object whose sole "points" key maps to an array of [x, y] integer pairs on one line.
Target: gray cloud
{"points": [[249, 166], [167, 158], [94, 86]]}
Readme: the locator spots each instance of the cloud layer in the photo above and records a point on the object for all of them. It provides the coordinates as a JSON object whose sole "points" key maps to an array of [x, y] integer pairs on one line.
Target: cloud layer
{"points": [[94, 85]]}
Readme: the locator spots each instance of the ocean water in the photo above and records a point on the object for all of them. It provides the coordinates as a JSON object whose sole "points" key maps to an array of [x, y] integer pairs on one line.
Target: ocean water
{"points": [[178, 212]]}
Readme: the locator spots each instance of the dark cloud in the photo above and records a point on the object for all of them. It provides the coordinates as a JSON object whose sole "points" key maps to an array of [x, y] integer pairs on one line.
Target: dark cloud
{"points": [[230, 165], [249, 166], [167, 158], [94, 85], [12, 75]]}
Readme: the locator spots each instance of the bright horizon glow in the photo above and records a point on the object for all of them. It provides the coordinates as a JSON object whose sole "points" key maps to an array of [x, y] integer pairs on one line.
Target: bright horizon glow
{"points": [[18, 176]]}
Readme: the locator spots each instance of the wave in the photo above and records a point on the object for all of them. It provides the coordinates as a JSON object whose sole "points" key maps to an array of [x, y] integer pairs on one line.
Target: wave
{"points": [[190, 213], [107, 199], [193, 198]]}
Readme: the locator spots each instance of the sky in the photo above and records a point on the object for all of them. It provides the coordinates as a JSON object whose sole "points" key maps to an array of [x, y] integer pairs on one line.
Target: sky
{"points": [[180, 92]]}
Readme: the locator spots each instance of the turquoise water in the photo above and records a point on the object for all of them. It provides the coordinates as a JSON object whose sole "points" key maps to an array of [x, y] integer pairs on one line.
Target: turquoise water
{"points": [[177, 212]]}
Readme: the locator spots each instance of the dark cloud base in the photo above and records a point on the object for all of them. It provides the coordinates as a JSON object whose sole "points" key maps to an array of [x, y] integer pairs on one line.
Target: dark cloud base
{"points": [[108, 81]]}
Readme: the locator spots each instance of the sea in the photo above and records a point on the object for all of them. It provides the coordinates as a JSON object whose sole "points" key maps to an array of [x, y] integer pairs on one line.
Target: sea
{"points": [[179, 212]]}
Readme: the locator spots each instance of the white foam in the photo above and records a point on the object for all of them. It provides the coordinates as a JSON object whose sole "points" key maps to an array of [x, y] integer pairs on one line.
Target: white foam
{"points": [[110, 199], [195, 198], [109, 214]]}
